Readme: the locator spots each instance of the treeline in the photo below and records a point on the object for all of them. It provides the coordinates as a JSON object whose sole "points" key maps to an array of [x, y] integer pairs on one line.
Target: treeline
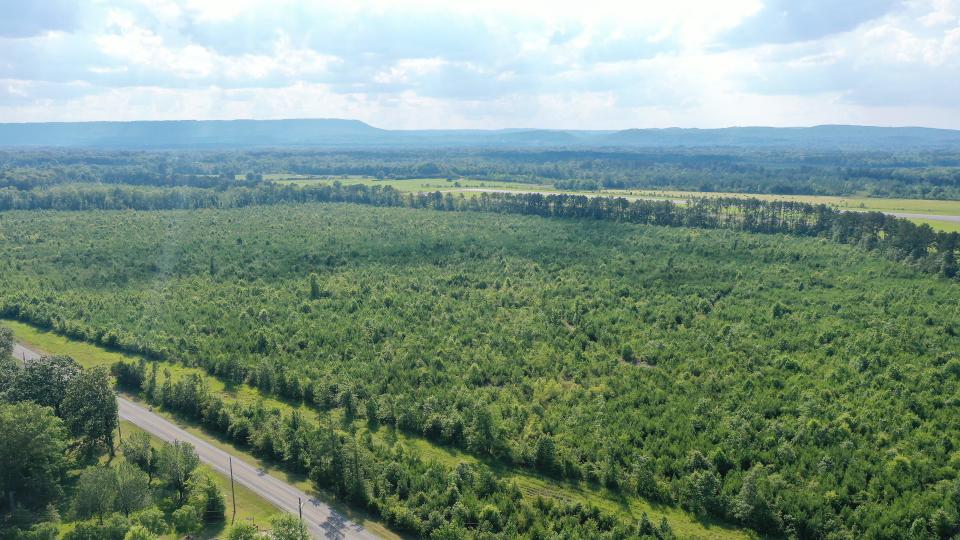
{"points": [[424, 498], [897, 238], [914, 174]]}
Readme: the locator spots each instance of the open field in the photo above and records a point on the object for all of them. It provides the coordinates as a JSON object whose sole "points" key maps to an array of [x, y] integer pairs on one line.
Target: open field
{"points": [[413, 184], [918, 206], [947, 211], [470, 188], [251, 506]]}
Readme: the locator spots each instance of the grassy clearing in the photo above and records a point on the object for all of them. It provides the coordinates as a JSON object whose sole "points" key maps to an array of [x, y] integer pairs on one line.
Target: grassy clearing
{"points": [[920, 206], [917, 206], [938, 225], [866, 204], [532, 485], [413, 184]]}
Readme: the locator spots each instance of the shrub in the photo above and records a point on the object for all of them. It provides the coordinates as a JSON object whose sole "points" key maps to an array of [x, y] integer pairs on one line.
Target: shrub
{"points": [[288, 527], [243, 531], [204, 495], [186, 519], [115, 527], [151, 519], [139, 532]]}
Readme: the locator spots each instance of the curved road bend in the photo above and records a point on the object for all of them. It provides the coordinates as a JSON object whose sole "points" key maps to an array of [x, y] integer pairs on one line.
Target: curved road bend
{"points": [[321, 520]]}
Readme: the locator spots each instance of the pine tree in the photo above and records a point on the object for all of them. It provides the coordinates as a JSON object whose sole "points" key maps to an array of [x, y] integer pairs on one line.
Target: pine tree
{"points": [[314, 287]]}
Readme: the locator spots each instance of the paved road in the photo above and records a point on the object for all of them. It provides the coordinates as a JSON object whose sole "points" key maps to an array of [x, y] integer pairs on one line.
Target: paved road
{"points": [[323, 521], [907, 215]]}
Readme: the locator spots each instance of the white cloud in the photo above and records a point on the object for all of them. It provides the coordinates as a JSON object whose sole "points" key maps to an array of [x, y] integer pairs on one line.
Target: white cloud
{"points": [[496, 63]]}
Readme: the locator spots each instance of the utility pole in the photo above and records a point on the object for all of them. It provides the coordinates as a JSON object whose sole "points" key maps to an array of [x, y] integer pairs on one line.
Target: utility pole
{"points": [[233, 494], [300, 508]]}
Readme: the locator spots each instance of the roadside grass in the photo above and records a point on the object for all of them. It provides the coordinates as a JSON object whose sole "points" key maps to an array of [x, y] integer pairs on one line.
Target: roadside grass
{"points": [[532, 485], [250, 506], [89, 355]]}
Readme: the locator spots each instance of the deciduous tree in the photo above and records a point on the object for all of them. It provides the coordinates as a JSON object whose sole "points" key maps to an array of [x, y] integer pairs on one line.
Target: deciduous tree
{"points": [[89, 408], [33, 444], [176, 462]]}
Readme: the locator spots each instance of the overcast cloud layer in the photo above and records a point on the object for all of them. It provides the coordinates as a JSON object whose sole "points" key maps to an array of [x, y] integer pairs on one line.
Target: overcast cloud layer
{"points": [[490, 64]]}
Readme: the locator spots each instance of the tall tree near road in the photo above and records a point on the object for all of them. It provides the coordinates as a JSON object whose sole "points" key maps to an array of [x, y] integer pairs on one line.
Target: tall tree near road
{"points": [[90, 408], [288, 527], [96, 492], [33, 444], [177, 461], [133, 488], [137, 450], [44, 381], [8, 366], [6, 342]]}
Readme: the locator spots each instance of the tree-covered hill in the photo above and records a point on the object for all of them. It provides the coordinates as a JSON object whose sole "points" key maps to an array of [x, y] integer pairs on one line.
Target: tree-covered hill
{"points": [[340, 133]]}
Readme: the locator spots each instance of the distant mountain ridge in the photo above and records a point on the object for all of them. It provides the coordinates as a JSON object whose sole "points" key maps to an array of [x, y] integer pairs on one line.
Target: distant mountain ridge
{"points": [[343, 134]]}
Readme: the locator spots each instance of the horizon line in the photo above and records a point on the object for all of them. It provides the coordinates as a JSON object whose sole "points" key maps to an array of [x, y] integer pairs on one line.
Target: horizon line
{"points": [[338, 119]]}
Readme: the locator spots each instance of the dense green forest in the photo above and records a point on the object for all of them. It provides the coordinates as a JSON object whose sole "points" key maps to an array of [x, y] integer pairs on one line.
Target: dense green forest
{"points": [[899, 239], [796, 385], [932, 174]]}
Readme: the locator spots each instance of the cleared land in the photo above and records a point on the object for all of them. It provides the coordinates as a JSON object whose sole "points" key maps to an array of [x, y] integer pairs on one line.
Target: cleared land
{"points": [[915, 206], [411, 184]]}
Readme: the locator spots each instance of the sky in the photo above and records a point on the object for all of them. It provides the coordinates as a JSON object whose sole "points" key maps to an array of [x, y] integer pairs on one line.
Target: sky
{"points": [[487, 64]]}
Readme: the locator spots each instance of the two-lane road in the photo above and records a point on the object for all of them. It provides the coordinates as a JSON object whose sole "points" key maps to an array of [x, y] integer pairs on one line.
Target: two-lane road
{"points": [[322, 521]]}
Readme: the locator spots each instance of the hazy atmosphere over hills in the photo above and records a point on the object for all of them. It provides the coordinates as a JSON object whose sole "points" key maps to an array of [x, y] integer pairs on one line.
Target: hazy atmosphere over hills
{"points": [[335, 133]]}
